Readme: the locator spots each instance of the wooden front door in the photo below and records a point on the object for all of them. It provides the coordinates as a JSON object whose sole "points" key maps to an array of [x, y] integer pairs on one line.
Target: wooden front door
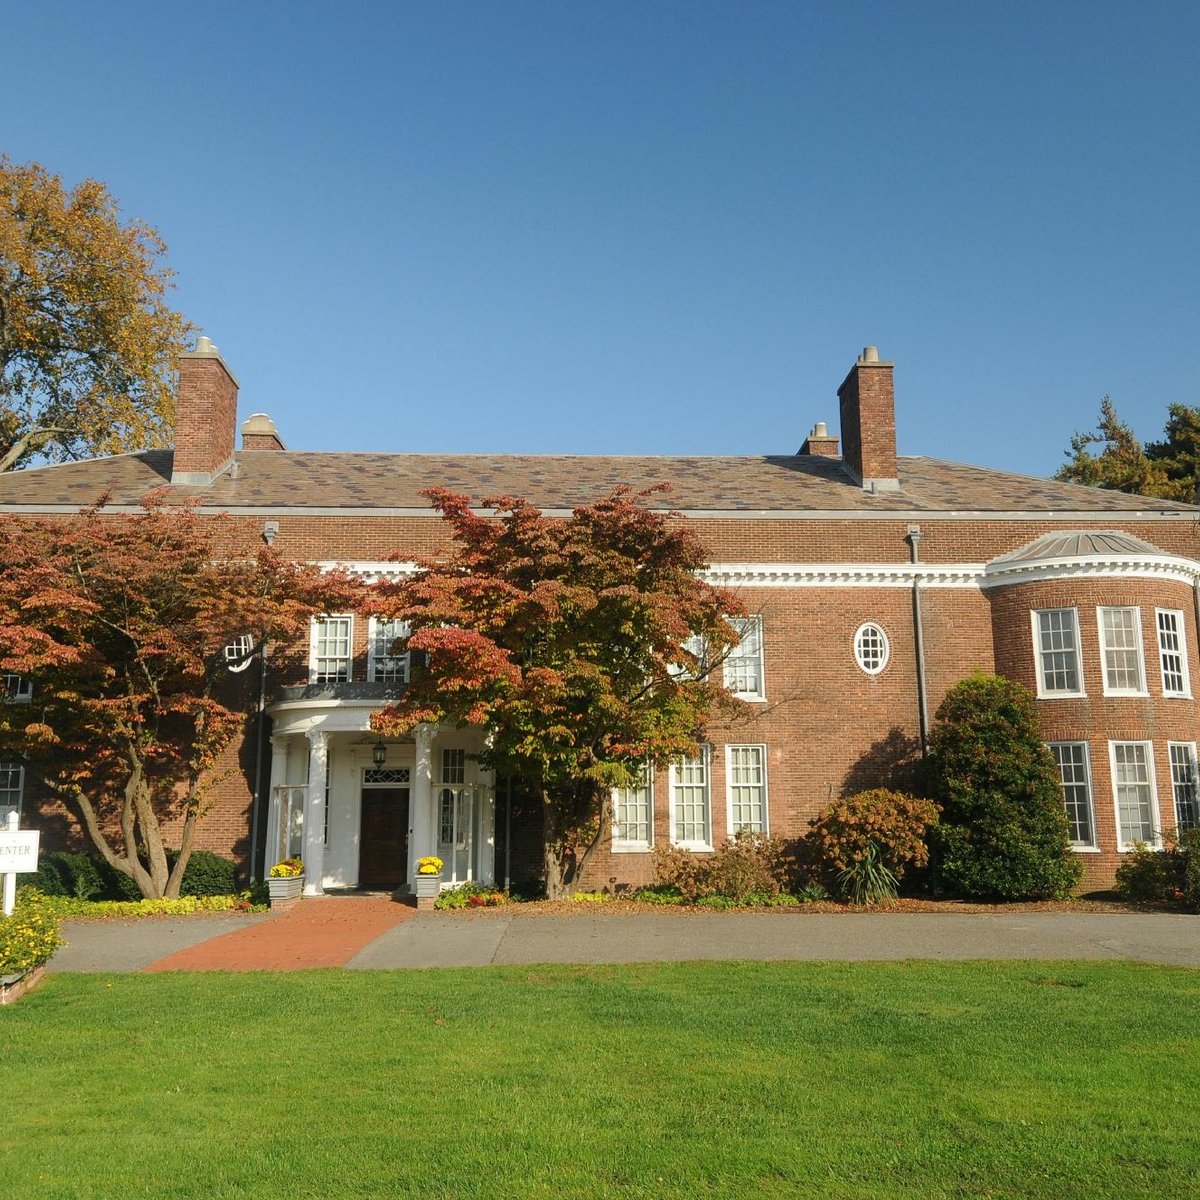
{"points": [[383, 844]]}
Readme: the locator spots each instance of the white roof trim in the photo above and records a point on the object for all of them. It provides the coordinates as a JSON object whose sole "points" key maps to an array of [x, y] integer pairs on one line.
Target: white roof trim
{"points": [[891, 575]]}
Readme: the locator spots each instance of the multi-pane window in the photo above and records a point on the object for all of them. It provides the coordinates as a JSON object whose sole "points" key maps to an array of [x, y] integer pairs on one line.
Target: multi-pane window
{"points": [[691, 807], [454, 766], [1056, 635], [332, 641], [871, 649], [1183, 784], [12, 781], [1073, 773], [744, 662], [633, 808], [1121, 645], [16, 688], [454, 802], [1133, 789], [746, 783], [1172, 652], [742, 668], [384, 665]]}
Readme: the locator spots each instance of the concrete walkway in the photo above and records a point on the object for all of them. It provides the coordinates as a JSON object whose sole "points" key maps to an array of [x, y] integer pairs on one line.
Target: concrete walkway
{"points": [[482, 939], [454, 940]]}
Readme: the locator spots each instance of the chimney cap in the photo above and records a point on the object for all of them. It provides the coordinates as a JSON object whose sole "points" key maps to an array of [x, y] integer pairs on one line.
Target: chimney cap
{"points": [[870, 354], [259, 423], [819, 430], [205, 349]]}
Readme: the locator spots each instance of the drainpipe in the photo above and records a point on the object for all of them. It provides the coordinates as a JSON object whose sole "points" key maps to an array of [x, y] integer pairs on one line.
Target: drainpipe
{"points": [[260, 738], [914, 541], [508, 789]]}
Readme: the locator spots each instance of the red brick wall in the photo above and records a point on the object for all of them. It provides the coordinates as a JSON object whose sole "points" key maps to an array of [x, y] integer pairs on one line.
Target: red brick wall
{"points": [[1096, 718], [868, 421], [206, 415]]}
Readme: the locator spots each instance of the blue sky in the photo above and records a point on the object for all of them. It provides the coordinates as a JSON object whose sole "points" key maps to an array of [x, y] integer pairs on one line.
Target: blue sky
{"points": [[650, 227]]}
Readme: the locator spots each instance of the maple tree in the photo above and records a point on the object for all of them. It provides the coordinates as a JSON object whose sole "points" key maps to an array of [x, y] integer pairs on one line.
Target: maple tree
{"points": [[120, 623], [88, 344], [567, 640]]}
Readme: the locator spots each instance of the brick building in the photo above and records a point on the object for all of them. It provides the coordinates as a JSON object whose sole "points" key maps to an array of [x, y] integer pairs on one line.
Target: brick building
{"points": [[875, 583]]}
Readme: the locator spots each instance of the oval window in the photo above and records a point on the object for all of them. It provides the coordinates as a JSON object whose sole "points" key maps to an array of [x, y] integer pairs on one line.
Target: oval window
{"points": [[871, 649]]}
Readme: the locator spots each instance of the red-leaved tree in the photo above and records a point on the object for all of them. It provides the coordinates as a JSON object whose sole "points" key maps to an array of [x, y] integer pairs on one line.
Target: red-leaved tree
{"points": [[566, 640], [120, 624]]}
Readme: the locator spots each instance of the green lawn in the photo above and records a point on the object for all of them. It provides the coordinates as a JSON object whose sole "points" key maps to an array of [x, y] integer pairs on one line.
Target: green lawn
{"points": [[676, 1080]]}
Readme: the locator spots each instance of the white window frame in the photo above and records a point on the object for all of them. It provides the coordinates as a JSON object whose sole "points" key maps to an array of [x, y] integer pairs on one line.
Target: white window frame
{"points": [[1180, 633], [1190, 748], [705, 757], [621, 796], [1140, 690], [374, 657], [1043, 692], [6, 808], [1155, 839], [752, 627], [885, 648], [314, 642], [1093, 846], [15, 689], [732, 827]]}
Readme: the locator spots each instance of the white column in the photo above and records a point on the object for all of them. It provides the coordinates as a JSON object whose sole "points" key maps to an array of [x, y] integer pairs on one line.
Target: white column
{"points": [[422, 838], [279, 749], [314, 812], [487, 827]]}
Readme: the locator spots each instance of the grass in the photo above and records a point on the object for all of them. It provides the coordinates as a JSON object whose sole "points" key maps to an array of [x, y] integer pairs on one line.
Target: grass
{"points": [[667, 1080]]}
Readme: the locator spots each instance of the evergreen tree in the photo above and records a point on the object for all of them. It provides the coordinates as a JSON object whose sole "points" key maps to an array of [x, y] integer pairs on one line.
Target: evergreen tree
{"points": [[1003, 831]]}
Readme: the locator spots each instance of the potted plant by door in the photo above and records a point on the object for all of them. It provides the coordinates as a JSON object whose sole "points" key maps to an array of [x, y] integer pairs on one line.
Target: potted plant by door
{"points": [[285, 883], [429, 880]]}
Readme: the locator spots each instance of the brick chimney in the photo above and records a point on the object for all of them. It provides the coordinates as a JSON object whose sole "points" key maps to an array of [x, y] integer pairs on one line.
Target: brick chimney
{"points": [[259, 433], [820, 441], [869, 423], [205, 416]]}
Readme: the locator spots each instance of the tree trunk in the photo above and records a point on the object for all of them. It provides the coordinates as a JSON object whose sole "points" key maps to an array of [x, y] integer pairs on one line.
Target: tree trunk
{"points": [[556, 887]]}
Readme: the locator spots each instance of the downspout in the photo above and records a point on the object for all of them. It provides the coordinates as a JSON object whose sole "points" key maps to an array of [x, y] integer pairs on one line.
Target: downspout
{"points": [[508, 791], [914, 541], [259, 740]]}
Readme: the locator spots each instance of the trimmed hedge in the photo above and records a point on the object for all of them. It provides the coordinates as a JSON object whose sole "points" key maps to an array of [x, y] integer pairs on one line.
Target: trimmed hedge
{"points": [[81, 877]]}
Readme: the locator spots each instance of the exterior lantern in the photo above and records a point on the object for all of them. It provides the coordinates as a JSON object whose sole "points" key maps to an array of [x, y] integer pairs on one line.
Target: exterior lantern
{"points": [[379, 754]]}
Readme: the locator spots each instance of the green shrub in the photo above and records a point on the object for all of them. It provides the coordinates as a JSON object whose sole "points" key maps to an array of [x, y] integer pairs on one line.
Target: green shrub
{"points": [[1167, 876], [1151, 876], [894, 823], [1189, 845], [867, 879], [206, 874], [744, 865], [66, 873], [66, 906], [812, 892], [470, 895], [31, 935], [591, 897], [82, 877], [658, 895], [1003, 831]]}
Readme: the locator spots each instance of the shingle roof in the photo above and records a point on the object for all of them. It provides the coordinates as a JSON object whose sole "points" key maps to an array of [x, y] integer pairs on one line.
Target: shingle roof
{"points": [[769, 483]]}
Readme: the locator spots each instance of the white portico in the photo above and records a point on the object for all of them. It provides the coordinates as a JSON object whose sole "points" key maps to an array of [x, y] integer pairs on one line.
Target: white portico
{"points": [[360, 812]]}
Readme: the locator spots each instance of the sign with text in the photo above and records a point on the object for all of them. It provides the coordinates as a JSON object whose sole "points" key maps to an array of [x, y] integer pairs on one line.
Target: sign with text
{"points": [[18, 851]]}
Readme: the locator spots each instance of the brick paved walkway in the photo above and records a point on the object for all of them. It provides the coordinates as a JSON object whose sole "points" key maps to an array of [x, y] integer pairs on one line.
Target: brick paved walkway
{"points": [[320, 932]]}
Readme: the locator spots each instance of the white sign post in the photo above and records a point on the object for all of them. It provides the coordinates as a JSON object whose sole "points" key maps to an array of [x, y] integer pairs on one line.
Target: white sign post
{"points": [[18, 853]]}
